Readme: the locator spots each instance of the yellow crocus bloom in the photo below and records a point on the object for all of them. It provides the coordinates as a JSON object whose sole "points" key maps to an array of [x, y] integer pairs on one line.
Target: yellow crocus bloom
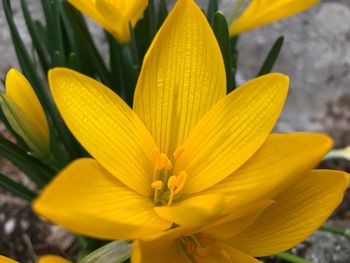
{"points": [[113, 15], [262, 229], [186, 154], [263, 12], [25, 114], [42, 259]]}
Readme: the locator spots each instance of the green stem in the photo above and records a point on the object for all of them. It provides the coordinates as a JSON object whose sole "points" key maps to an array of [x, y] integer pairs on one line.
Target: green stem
{"points": [[291, 258], [337, 231]]}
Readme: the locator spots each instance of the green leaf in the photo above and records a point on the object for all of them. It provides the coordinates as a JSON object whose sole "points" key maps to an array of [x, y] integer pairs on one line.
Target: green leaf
{"points": [[113, 252], [37, 171], [234, 54], [85, 43], [212, 9], [37, 38], [291, 258], [152, 19], [271, 57], [221, 32], [16, 188], [115, 57], [163, 12]]}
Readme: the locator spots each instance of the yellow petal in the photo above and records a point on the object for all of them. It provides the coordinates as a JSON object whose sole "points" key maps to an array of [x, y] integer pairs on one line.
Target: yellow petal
{"points": [[232, 131], [281, 161], [160, 248], [109, 130], [297, 213], [86, 199], [113, 15], [237, 256], [182, 76], [52, 259], [6, 260], [263, 12], [194, 211], [25, 113], [235, 222]]}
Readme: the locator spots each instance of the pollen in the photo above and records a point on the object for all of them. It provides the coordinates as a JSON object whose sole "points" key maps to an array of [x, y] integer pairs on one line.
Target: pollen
{"points": [[162, 161], [157, 185], [178, 152]]}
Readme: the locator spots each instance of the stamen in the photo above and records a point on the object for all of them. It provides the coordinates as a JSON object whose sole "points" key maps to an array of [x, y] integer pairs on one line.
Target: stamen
{"points": [[202, 251], [171, 185], [180, 181], [178, 152], [162, 161], [156, 185]]}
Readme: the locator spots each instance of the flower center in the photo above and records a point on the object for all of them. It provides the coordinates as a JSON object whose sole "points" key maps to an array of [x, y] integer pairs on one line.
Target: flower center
{"points": [[196, 246], [166, 186]]}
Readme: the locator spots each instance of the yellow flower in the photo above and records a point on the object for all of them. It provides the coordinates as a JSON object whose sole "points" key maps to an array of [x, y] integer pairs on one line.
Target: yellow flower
{"points": [[25, 113], [42, 259], [186, 154], [263, 12], [262, 229], [113, 15]]}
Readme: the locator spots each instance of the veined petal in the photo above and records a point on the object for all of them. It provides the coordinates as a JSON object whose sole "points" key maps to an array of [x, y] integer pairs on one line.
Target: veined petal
{"points": [[297, 213], [182, 76], [232, 131], [194, 211], [52, 259], [160, 248], [113, 15], [86, 199], [263, 12], [281, 161], [24, 112], [109, 130], [236, 222], [6, 260], [236, 255]]}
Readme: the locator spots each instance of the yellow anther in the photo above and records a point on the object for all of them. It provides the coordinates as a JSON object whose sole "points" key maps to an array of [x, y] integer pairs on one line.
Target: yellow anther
{"points": [[178, 152], [180, 181], [202, 251], [172, 182], [162, 161], [157, 185]]}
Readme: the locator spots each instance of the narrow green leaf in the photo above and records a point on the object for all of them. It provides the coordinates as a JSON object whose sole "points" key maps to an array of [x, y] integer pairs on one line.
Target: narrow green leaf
{"points": [[37, 171], [337, 231], [272, 57], [291, 258], [152, 19], [234, 54], [163, 12], [116, 64], [114, 252], [212, 9], [55, 33], [85, 43], [16, 188], [37, 39], [222, 35]]}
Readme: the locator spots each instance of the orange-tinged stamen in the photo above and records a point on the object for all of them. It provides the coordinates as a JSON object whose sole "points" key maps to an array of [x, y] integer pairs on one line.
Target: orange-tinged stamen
{"points": [[171, 185], [156, 185], [180, 181], [202, 251], [178, 152]]}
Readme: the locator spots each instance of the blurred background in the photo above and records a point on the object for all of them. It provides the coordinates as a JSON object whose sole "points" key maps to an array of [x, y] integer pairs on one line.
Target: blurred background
{"points": [[315, 54]]}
